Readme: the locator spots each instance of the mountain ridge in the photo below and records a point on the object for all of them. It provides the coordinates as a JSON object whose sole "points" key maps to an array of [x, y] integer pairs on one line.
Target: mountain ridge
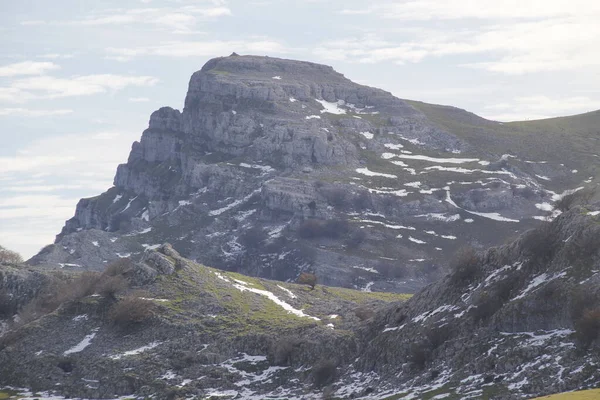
{"points": [[293, 154]]}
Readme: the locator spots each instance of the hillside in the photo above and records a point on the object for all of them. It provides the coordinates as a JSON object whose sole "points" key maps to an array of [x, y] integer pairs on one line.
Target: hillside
{"points": [[514, 321], [275, 167]]}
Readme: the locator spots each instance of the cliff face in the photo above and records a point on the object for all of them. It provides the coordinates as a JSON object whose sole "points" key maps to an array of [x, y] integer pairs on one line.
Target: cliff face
{"points": [[277, 166]]}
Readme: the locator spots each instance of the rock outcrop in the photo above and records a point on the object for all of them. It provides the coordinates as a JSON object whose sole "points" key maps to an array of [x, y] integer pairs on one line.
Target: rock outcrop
{"points": [[278, 166]]}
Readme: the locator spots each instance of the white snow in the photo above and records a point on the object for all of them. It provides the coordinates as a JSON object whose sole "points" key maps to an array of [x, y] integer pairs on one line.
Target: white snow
{"points": [[412, 141], [493, 216], [367, 135], [593, 213], [368, 286], [242, 286], [412, 239], [539, 280], [543, 177], [387, 156], [136, 351], [83, 344], [123, 255], [415, 185], [146, 215], [117, 198], [232, 205], [370, 221], [264, 168], [277, 77], [368, 269], [150, 246], [293, 100], [129, 204], [366, 171], [312, 117], [440, 309], [184, 202], [437, 159], [95, 243], [332, 108], [545, 206], [392, 146], [287, 291], [441, 217]]}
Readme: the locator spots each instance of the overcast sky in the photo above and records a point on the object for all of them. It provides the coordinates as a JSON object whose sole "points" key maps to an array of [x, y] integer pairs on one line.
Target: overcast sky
{"points": [[79, 78]]}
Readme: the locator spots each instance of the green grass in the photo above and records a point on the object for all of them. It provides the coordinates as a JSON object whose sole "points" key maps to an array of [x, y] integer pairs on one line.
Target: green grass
{"points": [[547, 139], [591, 394]]}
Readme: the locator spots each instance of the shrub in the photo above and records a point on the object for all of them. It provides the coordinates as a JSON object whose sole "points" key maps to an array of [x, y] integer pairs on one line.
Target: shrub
{"points": [[486, 306], [324, 373], [356, 238], [119, 267], [389, 270], [9, 256], [587, 327], [580, 197], [336, 196], [312, 228], [364, 313], [253, 237], [282, 350], [130, 311], [419, 354], [437, 336], [464, 266], [7, 305], [362, 201], [540, 244], [110, 286], [306, 278]]}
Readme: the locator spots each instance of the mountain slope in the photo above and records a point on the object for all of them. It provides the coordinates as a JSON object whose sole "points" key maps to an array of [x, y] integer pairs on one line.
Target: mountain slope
{"points": [[275, 167], [515, 321]]}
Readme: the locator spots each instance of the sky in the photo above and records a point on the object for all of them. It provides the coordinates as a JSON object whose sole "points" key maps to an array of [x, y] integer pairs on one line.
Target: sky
{"points": [[79, 79]]}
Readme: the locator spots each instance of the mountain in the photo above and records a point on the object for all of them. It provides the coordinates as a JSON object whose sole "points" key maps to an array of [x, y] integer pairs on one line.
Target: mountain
{"points": [[515, 321], [275, 167]]}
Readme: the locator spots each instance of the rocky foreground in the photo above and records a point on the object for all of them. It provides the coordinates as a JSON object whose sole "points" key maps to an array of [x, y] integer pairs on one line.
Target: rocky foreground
{"points": [[515, 321]]}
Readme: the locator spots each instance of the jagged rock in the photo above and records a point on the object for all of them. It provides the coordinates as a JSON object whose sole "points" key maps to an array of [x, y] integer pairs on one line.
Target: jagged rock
{"points": [[255, 139]]}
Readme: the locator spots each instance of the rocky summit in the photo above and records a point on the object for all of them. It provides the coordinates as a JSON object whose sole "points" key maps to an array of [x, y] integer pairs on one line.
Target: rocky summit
{"points": [[275, 167], [293, 235]]}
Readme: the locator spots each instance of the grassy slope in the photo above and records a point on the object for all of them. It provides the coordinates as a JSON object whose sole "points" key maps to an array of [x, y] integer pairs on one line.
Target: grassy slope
{"points": [[575, 139], [581, 395]]}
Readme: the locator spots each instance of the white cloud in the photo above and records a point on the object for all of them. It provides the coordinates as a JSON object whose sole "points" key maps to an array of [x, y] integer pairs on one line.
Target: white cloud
{"points": [[54, 56], [197, 48], [28, 68], [48, 87], [138, 99], [423, 10], [24, 112], [177, 19], [558, 44], [539, 107], [35, 181], [33, 23]]}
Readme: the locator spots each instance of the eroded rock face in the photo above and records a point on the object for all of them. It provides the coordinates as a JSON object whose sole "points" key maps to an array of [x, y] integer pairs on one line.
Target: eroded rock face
{"points": [[263, 145]]}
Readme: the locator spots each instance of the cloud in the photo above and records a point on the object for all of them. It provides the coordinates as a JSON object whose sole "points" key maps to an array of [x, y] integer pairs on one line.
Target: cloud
{"points": [[54, 56], [43, 181], [539, 107], [138, 99], [33, 23], [27, 68], [197, 48], [177, 19], [513, 48], [423, 10], [24, 112], [48, 87]]}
